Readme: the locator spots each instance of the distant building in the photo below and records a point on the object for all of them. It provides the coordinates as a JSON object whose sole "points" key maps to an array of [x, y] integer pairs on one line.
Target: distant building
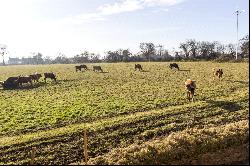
{"points": [[30, 60], [14, 61]]}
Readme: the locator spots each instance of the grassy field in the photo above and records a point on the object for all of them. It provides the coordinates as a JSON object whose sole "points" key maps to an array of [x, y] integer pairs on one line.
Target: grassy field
{"points": [[119, 107]]}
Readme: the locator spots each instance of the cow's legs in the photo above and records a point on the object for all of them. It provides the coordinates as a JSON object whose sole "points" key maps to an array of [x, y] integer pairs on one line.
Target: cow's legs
{"points": [[192, 95], [188, 95]]}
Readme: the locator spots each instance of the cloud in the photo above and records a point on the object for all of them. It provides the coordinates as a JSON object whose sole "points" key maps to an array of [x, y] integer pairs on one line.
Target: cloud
{"points": [[120, 7], [160, 10], [153, 3], [124, 6], [161, 30]]}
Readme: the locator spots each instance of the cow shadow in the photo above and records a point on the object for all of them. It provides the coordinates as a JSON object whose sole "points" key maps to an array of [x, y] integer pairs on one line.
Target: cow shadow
{"points": [[187, 70], [83, 70], [242, 82], [66, 80], [226, 105], [145, 71], [24, 87]]}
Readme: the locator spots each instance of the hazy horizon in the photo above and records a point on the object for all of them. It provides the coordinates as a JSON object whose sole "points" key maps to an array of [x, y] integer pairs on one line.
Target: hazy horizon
{"points": [[71, 27]]}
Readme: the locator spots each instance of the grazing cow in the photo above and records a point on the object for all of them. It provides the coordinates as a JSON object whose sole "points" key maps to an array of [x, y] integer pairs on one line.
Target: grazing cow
{"points": [[11, 82], [217, 73], [35, 77], [80, 67], [138, 66], [174, 65], [49, 75], [24, 79], [97, 68], [190, 87]]}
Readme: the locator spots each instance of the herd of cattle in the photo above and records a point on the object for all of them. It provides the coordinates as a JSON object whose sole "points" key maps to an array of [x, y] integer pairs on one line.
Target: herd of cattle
{"points": [[95, 68], [16, 82], [137, 67]]}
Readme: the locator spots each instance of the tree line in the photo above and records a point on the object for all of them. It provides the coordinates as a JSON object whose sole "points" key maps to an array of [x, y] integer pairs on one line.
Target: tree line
{"points": [[188, 50]]}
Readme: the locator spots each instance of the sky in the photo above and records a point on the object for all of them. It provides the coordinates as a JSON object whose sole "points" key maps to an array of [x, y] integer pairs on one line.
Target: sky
{"points": [[69, 27]]}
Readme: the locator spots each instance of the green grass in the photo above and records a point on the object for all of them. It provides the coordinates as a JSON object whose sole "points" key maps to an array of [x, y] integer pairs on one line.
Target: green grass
{"points": [[119, 107]]}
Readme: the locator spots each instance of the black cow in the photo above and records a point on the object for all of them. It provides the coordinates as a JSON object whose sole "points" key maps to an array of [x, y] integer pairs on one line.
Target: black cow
{"points": [[11, 82], [174, 65], [80, 67], [49, 75], [97, 68], [138, 66]]}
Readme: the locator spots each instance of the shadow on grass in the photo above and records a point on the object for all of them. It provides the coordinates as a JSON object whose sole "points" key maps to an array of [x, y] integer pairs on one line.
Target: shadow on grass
{"points": [[242, 82], [226, 105], [82, 71], [185, 70], [146, 71], [25, 87], [101, 72], [64, 81]]}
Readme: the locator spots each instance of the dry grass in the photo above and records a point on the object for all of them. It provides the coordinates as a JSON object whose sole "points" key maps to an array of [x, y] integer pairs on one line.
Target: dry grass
{"points": [[180, 148]]}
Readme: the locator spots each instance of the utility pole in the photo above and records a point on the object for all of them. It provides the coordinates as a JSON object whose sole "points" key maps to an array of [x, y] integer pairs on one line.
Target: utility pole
{"points": [[237, 45]]}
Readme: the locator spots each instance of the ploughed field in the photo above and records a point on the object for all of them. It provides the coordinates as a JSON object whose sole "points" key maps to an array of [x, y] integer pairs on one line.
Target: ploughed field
{"points": [[119, 107]]}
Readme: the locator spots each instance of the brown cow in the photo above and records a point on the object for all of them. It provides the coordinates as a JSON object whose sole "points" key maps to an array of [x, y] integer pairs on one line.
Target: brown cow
{"points": [[190, 87], [217, 73], [49, 75], [24, 79], [138, 66], [35, 77], [97, 68]]}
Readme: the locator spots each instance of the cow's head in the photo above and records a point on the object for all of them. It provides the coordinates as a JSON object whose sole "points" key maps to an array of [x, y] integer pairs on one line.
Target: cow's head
{"points": [[39, 75]]}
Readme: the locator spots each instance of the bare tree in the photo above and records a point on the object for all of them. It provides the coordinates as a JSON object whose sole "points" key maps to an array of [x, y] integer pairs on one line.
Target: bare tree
{"points": [[244, 46], [219, 48], [3, 51], [230, 50], [185, 47], [160, 49], [205, 49], [147, 50], [193, 45]]}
